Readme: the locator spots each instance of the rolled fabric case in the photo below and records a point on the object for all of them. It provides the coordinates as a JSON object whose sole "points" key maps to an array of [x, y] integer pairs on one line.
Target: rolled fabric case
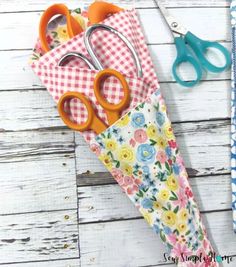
{"points": [[140, 149]]}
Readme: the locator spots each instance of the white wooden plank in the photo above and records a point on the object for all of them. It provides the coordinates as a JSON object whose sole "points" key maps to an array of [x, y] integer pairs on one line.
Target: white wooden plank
{"points": [[39, 236], [108, 202], [215, 18], [203, 145], [37, 171], [16, 72], [16, 5], [16, 65], [132, 243], [28, 110], [56, 263], [35, 108]]}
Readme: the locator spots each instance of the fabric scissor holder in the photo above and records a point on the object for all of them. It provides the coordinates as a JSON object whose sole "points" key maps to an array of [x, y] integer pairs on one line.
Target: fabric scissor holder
{"points": [[140, 149]]}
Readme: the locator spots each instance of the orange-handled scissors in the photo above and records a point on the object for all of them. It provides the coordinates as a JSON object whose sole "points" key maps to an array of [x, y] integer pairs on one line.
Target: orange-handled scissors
{"points": [[113, 111], [97, 12]]}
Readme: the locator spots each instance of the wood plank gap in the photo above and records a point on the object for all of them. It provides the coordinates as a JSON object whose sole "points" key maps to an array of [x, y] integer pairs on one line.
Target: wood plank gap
{"points": [[141, 218], [37, 211], [77, 200]]}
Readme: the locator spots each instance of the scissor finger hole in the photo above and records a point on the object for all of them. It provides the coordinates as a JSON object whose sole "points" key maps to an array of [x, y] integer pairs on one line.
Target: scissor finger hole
{"points": [[186, 71], [215, 56], [111, 90], [75, 110]]}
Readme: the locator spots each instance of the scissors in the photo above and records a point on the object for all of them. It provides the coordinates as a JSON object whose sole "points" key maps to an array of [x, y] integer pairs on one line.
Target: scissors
{"points": [[182, 38], [97, 12], [112, 111]]}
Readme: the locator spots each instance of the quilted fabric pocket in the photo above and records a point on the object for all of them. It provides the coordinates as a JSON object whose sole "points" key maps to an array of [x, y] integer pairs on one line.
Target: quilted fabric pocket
{"points": [[141, 152]]}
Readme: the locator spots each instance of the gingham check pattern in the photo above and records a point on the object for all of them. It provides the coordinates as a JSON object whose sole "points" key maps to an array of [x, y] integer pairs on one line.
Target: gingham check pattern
{"points": [[112, 53]]}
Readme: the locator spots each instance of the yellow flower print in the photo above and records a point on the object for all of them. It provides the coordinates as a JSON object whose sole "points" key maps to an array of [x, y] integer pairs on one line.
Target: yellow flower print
{"points": [[169, 218], [107, 161], [125, 153], [157, 205], [163, 108], [147, 216], [182, 227], [164, 194], [161, 142], [81, 20], [123, 121], [62, 33], [183, 214], [127, 169], [152, 132], [172, 183], [110, 144], [168, 131]]}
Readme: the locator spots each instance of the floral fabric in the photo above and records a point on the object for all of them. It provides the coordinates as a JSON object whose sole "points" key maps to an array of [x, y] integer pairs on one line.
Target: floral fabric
{"points": [[140, 150], [141, 153], [57, 32]]}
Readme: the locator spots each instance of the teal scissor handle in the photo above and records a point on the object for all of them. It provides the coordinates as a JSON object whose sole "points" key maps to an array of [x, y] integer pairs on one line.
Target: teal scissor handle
{"points": [[185, 55], [200, 47]]}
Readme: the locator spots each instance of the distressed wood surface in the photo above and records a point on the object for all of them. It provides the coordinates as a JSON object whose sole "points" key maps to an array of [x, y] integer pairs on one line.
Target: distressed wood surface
{"points": [[40, 157], [40, 236], [16, 65], [197, 140], [108, 202], [216, 30], [52, 263], [132, 243], [35, 153], [16, 5]]}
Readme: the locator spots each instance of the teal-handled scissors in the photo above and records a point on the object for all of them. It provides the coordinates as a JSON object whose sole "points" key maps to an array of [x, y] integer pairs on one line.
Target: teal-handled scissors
{"points": [[182, 38]]}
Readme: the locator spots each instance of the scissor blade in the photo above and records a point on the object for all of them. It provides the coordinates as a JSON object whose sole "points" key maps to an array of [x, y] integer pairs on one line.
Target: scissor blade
{"points": [[174, 25]]}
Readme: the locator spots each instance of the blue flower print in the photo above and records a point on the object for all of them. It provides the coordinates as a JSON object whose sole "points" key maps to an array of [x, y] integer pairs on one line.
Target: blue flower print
{"points": [[176, 169], [145, 169], [146, 153], [156, 228], [160, 118], [168, 151], [147, 203], [167, 230], [138, 120]]}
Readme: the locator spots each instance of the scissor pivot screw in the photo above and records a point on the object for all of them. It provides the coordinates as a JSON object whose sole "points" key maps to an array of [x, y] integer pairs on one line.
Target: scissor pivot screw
{"points": [[174, 24]]}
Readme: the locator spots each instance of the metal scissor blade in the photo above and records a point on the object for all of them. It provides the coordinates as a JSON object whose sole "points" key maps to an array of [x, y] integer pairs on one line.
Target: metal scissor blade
{"points": [[174, 25]]}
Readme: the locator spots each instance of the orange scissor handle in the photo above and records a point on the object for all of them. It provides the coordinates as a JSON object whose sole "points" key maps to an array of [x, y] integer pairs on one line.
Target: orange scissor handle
{"points": [[98, 11], [73, 27], [113, 111], [92, 123]]}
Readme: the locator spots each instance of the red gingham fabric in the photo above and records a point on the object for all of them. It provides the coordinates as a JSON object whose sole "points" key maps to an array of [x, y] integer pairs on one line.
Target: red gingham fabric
{"points": [[112, 53]]}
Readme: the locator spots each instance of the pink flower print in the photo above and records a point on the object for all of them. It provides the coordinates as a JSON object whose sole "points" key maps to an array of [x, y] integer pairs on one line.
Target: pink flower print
{"points": [[118, 175], [182, 200], [49, 39], [182, 182], [161, 156], [172, 144], [188, 192], [172, 238], [140, 136], [137, 181], [170, 161], [132, 190], [127, 181], [180, 162], [180, 250], [132, 142], [96, 149]]}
